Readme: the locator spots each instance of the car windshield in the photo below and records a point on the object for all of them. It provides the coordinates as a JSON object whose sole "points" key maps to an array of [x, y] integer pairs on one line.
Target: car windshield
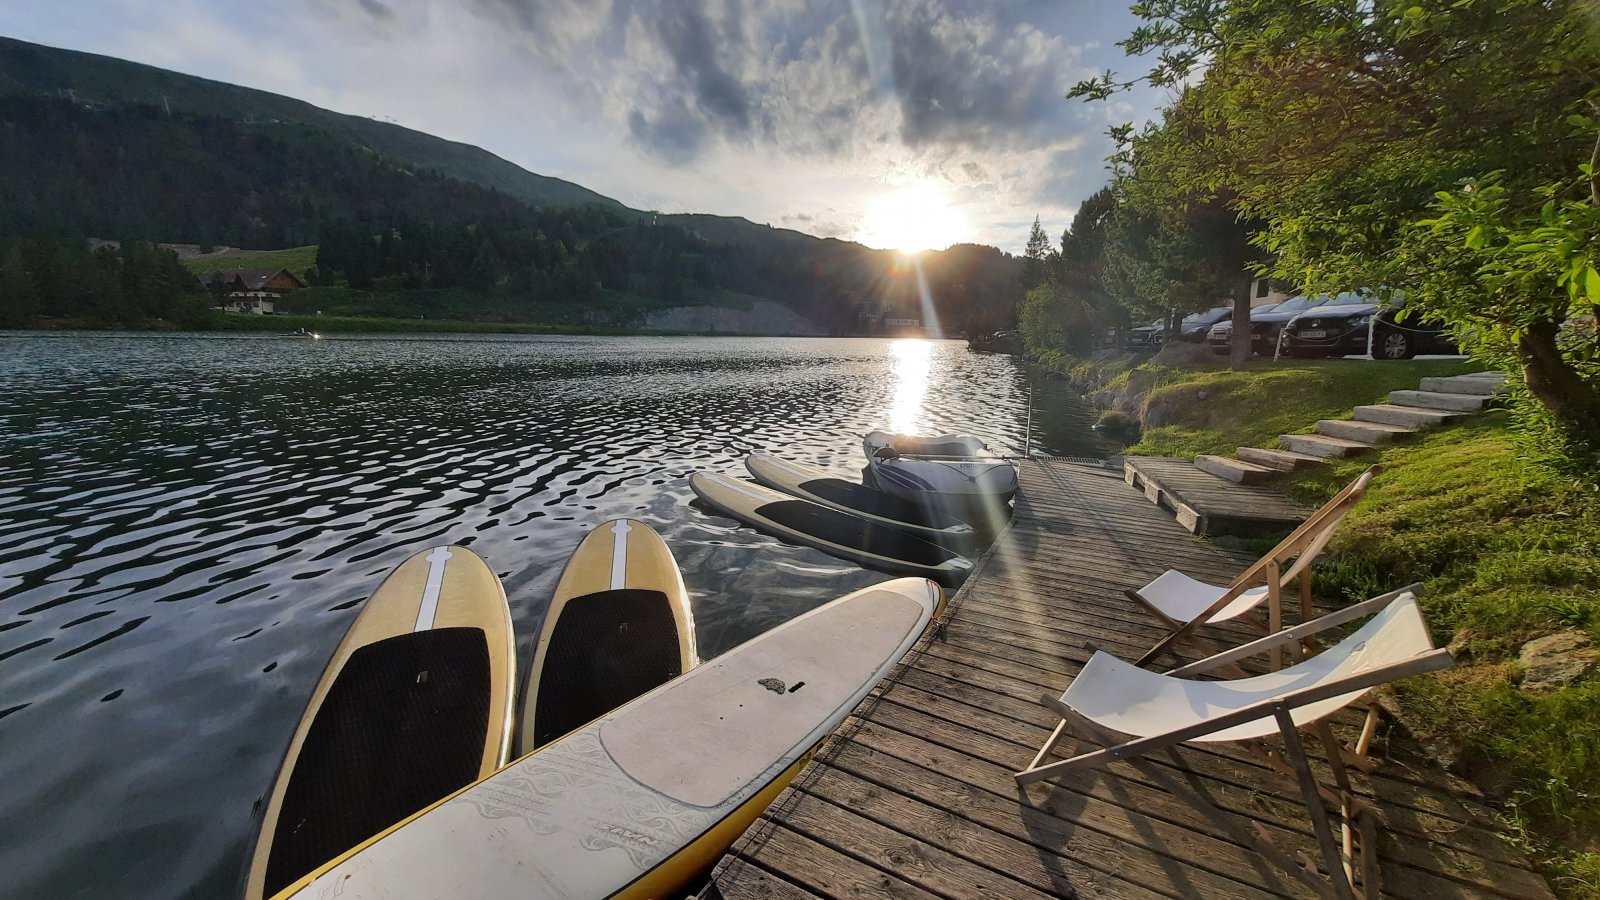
{"points": [[1299, 303], [1201, 318]]}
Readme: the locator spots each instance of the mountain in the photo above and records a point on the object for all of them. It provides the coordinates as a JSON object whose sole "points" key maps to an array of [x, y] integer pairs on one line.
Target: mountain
{"points": [[89, 78], [404, 223]]}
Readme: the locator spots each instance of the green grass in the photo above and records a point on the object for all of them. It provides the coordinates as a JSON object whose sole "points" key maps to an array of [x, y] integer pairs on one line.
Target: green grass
{"points": [[1218, 411], [1507, 549], [295, 259]]}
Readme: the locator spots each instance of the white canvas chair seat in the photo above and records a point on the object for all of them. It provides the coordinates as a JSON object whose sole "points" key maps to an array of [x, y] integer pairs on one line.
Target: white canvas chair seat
{"points": [[1185, 604], [1141, 703], [1131, 712], [1183, 599]]}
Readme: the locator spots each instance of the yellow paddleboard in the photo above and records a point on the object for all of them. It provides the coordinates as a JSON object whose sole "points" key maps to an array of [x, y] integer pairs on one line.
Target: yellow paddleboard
{"points": [[619, 625], [642, 801], [414, 705]]}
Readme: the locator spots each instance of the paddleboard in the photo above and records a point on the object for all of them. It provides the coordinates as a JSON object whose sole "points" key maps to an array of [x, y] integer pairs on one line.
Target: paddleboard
{"points": [[618, 625], [846, 535], [646, 799], [414, 705], [821, 487]]}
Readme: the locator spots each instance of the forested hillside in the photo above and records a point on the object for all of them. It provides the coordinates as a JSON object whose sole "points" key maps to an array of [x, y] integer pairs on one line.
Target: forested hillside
{"points": [[406, 224]]}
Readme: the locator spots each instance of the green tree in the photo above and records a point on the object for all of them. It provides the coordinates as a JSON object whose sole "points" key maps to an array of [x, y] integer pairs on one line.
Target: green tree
{"points": [[1350, 130], [1035, 257], [19, 294]]}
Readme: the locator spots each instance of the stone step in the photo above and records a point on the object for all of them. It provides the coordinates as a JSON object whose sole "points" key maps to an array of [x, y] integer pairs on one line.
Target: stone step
{"points": [[1322, 445], [1282, 460], [1464, 384], [1436, 400], [1236, 471], [1406, 416], [1363, 432]]}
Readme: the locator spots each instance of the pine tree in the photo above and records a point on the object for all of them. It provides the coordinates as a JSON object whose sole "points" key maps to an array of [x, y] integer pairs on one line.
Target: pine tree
{"points": [[1034, 256]]}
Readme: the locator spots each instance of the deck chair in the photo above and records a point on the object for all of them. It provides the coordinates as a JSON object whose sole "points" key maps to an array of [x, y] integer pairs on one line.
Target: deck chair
{"points": [[1184, 604], [1132, 712]]}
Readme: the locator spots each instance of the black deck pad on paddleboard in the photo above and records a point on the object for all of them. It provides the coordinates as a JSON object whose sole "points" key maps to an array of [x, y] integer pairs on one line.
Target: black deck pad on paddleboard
{"points": [[404, 725], [606, 649], [854, 531], [877, 503]]}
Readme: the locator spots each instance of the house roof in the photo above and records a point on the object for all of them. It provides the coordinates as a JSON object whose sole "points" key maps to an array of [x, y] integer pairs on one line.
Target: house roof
{"points": [[253, 279]]}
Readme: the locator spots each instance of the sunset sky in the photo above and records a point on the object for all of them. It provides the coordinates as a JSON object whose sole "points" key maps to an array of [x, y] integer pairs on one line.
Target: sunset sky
{"points": [[894, 122]]}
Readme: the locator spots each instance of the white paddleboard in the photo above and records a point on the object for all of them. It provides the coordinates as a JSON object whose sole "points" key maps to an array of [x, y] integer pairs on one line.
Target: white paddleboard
{"points": [[647, 798]]}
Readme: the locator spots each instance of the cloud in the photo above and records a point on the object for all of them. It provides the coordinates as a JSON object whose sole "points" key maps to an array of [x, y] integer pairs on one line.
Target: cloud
{"points": [[767, 109], [377, 9]]}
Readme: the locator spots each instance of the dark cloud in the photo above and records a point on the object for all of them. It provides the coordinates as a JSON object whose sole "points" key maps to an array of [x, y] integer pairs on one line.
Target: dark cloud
{"points": [[819, 79], [377, 9], [674, 133], [961, 79], [696, 47]]}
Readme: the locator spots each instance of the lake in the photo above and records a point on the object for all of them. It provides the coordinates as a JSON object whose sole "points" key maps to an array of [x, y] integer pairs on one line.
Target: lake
{"points": [[188, 523]]}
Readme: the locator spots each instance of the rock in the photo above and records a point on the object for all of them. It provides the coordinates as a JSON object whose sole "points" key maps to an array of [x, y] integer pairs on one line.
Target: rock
{"points": [[1557, 660], [1459, 645], [1183, 355]]}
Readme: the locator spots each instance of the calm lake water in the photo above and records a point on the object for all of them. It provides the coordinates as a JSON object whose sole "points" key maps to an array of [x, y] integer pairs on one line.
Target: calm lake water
{"points": [[188, 524]]}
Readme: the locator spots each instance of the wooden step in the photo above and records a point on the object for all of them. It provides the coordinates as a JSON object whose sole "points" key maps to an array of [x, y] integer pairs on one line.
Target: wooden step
{"points": [[1436, 400], [1322, 445], [1281, 460], [1236, 471], [1406, 416], [1363, 432], [1206, 504], [1485, 383]]}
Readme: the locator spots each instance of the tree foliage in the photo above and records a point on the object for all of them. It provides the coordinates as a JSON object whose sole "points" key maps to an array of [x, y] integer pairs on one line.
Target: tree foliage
{"points": [[69, 170], [134, 284], [1437, 147]]}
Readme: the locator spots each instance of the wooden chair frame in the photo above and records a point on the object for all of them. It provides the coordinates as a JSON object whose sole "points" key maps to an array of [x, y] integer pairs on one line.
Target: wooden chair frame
{"points": [[1348, 855], [1291, 559]]}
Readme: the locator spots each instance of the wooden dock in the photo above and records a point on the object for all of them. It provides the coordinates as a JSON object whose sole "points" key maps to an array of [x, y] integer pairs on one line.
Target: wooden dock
{"points": [[913, 796], [1206, 504]]}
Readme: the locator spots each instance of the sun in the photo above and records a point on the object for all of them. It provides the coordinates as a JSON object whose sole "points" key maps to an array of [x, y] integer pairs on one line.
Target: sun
{"points": [[916, 217]]}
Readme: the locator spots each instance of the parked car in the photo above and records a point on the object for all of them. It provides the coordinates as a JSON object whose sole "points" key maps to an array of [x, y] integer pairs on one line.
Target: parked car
{"points": [[1146, 337], [1341, 329], [1265, 324], [1194, 326]]}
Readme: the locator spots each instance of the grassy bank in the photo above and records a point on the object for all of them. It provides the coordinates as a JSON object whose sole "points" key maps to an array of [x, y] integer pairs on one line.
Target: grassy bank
{"points": [[1507, 551], [1217, 410], [295, 259]]}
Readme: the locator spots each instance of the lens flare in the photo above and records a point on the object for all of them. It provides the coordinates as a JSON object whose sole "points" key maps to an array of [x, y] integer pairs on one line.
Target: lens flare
{"points": [[910, 362]]}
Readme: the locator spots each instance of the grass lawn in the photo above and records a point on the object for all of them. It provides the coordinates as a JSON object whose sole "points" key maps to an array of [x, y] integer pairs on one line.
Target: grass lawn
{"points": [[1218, 411], [1506, 549], [295, 259]]}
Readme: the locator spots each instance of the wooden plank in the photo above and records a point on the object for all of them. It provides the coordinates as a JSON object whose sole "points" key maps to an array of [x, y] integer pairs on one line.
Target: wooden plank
{"points": [[740, 879], [1053, 873], [825, 870], [1094, 861], [913, 796], [907, 858]]}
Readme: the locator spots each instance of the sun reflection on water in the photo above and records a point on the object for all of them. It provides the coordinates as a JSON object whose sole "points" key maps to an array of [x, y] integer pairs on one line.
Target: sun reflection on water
{"points": [[910, 360]]}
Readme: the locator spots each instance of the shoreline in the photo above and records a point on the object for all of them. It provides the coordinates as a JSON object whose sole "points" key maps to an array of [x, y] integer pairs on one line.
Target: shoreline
{"points": [[275, 325]]}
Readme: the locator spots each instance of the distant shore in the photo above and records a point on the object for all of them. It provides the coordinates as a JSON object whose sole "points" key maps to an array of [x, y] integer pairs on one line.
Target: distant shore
{"points": [[363, 325]]}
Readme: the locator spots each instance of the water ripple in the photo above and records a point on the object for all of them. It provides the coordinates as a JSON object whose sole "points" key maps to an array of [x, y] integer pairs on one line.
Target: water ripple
{"points": [[188, 522]]}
